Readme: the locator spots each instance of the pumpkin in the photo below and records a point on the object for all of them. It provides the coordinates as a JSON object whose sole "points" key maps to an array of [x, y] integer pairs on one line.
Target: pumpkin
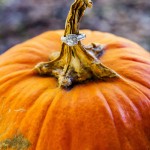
{"points": [[36, 114]]}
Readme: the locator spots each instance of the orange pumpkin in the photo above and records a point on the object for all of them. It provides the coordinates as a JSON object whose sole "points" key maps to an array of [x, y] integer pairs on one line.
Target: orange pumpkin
{"points": [[35, 114]]}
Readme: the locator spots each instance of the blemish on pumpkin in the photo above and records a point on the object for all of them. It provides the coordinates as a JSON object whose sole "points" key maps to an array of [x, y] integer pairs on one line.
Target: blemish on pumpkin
{"points": [[9, 110], [19, 110], [18, 142]]}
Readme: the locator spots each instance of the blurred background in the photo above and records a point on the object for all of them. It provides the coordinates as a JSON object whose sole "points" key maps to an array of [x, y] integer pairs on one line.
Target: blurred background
{"points": [[24, 19]]}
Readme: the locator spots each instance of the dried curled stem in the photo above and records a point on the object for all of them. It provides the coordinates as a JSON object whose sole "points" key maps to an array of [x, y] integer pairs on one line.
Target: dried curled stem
{"points": [[77, 63]]}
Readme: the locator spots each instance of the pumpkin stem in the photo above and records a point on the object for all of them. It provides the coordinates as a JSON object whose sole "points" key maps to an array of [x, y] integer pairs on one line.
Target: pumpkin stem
{"points": [[76, 63]]}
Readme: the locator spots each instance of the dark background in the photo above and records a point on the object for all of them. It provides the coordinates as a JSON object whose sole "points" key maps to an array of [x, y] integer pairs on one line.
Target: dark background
{"points": [[24, 19]]}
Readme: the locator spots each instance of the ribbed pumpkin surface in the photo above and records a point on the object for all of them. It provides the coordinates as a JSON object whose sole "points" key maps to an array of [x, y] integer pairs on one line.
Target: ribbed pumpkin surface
{"points": [[97, 115]]}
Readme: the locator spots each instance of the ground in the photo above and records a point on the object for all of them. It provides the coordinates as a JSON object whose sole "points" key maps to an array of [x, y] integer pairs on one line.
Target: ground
{"points": [[21, 20]]}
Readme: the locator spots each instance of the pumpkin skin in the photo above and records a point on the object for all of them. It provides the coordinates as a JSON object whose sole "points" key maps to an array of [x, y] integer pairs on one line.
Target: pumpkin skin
{"points": [[97, 115]]}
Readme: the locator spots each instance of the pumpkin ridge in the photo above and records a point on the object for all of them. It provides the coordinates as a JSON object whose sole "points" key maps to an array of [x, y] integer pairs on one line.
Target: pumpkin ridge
{"points": [[56, 35], [16, 74], [23, 49], [24, 66], [60, 93], [146, 106], [127, 47], [121, 124], [137, 90], [132, 85], [49, 40], [142, 82], [23, 124], [137, 85], [114, 122], [33, 53], [18, 96], [12, 78], [34, 50], [115, 119], [135, 59]]}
